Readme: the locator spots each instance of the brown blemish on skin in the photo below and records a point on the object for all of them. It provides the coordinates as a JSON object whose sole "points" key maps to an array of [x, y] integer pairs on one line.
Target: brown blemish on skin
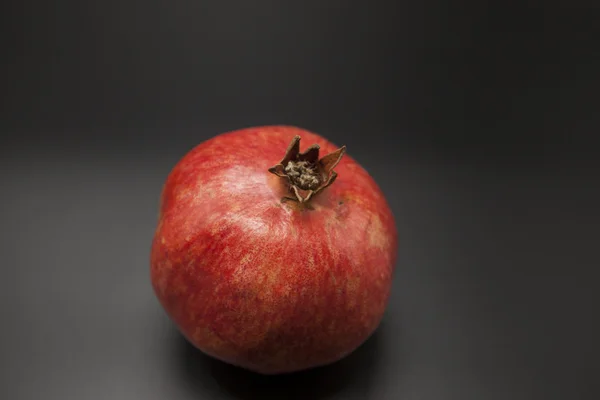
{"points": [[341, 211], [297, 206]]}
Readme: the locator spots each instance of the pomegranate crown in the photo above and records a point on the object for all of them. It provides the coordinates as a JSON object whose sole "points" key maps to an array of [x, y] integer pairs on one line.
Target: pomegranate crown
{"points": [[305, 173]]}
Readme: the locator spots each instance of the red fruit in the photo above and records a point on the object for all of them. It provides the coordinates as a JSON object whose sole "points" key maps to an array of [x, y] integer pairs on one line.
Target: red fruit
{"points": [[260, 263]]}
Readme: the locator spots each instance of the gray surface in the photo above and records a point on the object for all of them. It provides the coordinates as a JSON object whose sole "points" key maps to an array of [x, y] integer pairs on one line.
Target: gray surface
{"points": [[479, 123]]}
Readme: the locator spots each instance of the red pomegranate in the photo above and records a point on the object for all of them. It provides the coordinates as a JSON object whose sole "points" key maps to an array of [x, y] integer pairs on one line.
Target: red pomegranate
{"points": [[263, 259]]}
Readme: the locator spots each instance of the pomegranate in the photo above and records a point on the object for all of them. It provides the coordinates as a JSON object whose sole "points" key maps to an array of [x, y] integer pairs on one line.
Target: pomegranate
{"points": [[269, 258]]}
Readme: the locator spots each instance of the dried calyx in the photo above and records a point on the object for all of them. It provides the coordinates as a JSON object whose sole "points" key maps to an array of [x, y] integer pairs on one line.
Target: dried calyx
{"points": [[305, 173]]}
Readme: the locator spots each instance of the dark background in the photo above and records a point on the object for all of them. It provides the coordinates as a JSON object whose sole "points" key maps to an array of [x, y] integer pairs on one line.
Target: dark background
{"points": [[479, 121]]}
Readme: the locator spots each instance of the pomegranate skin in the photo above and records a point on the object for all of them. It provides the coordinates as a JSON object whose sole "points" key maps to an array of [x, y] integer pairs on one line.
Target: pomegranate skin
{"points": [[262, 284]]}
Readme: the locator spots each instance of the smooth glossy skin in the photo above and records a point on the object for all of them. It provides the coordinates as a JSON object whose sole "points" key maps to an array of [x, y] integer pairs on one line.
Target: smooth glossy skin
{"points": [[262, 284]]}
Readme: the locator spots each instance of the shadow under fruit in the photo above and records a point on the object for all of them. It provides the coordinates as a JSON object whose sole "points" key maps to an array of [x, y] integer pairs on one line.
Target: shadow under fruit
{"points": [[272, 259]]}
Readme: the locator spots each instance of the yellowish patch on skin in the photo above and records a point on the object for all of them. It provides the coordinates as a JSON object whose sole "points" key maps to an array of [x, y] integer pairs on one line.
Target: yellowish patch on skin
{"points": [[349, 197], [311, 261], [273, 275], [293, 230], [245, 259], [216, 228], [265, 283], [376, 235], [240, 271], [182, 193]]}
